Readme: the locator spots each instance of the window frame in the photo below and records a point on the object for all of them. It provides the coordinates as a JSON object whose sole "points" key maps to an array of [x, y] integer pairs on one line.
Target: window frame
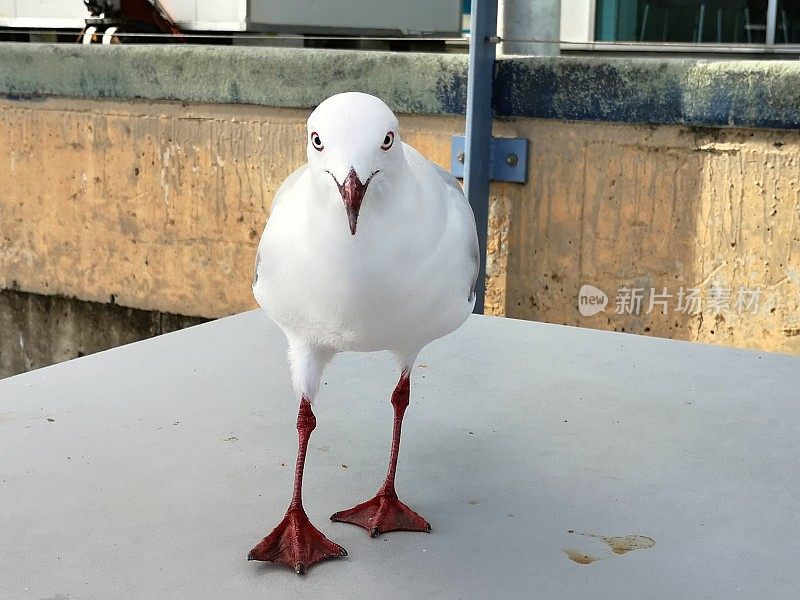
{"points": [[579, 22]]}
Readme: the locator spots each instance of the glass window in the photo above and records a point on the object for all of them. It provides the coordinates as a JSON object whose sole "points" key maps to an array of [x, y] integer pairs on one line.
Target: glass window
{"points": [[787, 26], [690, 21]]}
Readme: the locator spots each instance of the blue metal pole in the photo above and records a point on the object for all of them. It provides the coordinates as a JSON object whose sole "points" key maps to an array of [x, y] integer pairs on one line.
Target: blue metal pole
{"points": [[478, 135]]}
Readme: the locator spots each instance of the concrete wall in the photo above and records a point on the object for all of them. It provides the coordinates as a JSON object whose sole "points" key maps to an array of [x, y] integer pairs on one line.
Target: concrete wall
{"points": [[157, 204], [652, 208], [160, 206], [39, 330]]}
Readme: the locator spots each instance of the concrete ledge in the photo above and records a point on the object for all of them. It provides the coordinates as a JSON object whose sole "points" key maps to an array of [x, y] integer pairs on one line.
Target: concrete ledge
{"points": [[277, 77], [751, 93]]}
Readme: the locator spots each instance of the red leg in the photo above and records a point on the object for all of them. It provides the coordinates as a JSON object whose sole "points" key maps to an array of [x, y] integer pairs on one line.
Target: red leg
{"points": [[295, 542], [385, 513]]}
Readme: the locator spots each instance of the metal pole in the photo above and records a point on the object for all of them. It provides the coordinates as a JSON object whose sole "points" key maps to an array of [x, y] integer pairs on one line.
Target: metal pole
{"points": [[478, 136], [529, 20], [772, 21]]}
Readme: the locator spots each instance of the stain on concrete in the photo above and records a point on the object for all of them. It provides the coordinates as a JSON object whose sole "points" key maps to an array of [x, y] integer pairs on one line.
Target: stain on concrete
{"points": [[618, 545], [628, 543], [579, 557]]}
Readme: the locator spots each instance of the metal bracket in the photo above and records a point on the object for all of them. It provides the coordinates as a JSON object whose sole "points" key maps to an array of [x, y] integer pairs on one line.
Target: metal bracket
{"points": [[509, 159]]}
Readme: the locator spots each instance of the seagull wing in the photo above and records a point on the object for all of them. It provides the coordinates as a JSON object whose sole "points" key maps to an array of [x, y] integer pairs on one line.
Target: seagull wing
{"points": [[284, 192], [454, 189]]}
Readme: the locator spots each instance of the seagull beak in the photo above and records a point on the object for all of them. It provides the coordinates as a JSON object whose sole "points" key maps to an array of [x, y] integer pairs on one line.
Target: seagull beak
{"points": [[352, 192]]}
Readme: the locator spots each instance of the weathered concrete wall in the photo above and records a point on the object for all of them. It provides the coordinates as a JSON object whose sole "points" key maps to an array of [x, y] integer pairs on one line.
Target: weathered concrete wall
{"points": [[37, 331], [155, 202], [160, 205], [649, 208]]}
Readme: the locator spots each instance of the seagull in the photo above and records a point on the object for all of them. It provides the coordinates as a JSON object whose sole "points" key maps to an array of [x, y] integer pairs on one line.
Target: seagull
{"points": [[369, 247]]}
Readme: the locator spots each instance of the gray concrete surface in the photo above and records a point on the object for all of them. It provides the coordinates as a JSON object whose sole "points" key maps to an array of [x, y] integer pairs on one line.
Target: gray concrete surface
{"points": [[150, 470], [698, 92], [283, 77], [37, 330]]}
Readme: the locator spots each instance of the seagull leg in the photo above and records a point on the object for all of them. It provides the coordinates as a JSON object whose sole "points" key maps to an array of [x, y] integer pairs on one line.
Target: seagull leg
{"points": [[295, 542], [385, 513]]}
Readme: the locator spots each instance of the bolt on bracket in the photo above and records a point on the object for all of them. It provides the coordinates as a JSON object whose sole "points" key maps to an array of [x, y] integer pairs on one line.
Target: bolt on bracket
{"points": [[509, 157]]}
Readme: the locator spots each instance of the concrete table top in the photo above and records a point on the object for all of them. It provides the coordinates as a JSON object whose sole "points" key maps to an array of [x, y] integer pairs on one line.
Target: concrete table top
{"points": [[149, 471]]}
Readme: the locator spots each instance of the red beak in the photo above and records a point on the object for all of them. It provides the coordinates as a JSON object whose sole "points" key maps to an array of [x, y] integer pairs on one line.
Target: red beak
{"points": [[352, 192]]}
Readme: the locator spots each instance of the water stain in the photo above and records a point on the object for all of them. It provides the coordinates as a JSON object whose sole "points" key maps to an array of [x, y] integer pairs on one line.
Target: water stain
{"points": [[627, 543], [579, 557], [6, 416], [618, 544]]}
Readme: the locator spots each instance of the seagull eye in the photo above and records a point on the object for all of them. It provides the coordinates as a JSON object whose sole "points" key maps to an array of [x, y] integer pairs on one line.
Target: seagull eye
{"points": [[388, 141], [316, 142]]}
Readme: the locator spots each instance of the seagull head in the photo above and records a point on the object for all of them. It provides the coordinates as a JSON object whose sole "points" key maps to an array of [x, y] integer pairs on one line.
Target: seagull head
{"points": [[352, 137]]}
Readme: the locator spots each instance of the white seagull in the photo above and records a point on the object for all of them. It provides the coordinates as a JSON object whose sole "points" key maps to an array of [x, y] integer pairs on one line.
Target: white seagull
{"points": [[369, 246]]}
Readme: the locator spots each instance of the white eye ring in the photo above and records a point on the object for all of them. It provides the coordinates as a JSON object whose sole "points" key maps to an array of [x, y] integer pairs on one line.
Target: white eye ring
{"points": [[388, 140], [316, 141]]}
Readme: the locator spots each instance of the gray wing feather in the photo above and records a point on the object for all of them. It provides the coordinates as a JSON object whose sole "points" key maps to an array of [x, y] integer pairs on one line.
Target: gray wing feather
{"points": [[476, 265], [447, 177], [450, 180], [255, 269]]}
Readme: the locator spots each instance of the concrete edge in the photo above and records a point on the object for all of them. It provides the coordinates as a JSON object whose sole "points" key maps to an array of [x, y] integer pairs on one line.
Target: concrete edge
{"points": [[735, 93], [277, 77], [750, 93]]}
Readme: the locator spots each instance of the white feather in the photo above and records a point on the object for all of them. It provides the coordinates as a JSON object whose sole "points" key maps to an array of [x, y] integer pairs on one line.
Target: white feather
{"points": [[403, 280]]}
